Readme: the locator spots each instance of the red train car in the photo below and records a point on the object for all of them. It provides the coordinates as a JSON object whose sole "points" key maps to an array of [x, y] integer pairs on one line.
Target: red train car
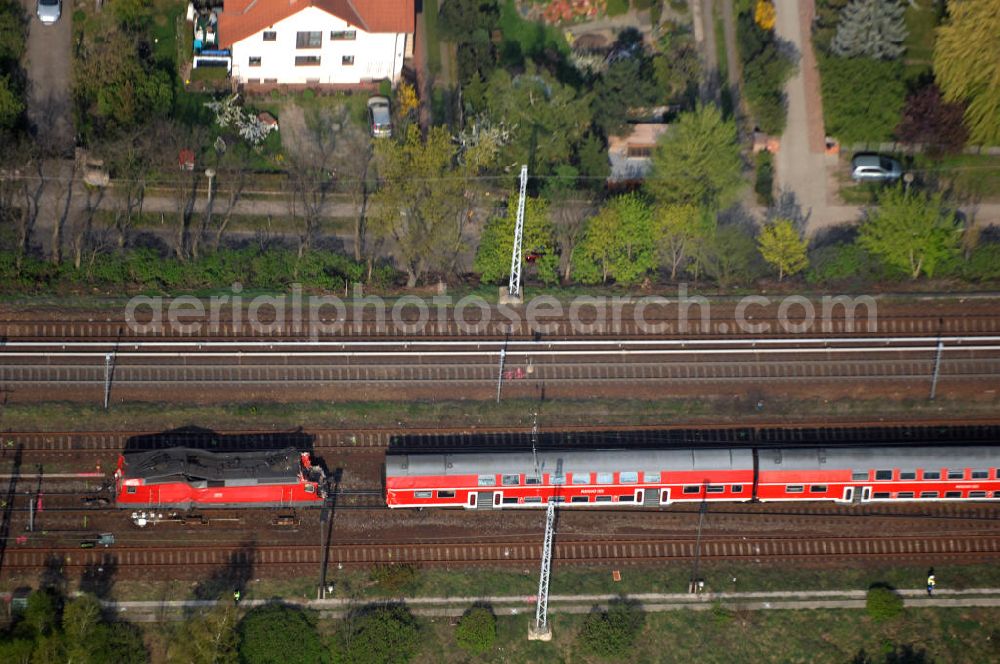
{"points": [[182, 478], [660, 477]]}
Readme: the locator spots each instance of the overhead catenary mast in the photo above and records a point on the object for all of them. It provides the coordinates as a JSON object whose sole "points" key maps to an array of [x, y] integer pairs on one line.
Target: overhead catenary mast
{"points": [[514, 289]]}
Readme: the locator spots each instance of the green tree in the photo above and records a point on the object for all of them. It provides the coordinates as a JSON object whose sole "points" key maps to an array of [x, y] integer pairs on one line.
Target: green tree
{"points": [[697, 161], [967, 65], [627, 83], [870, 29], [380, 635], [883, 603], [910, 231], [680, 232], [476, 630], [279, 634], [766, 67], [617, 243], [862, 98], [496, 244], [12, 33], [783, 248], [547, 119], [592, 157], [42, 612], [208, 637], [611, 633], [11, 105], [677, 67], [422, 205], [730, 257]]}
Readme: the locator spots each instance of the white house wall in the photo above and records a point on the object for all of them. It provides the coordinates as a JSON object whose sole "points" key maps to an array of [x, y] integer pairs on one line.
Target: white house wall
{"points": [[376, 55]]}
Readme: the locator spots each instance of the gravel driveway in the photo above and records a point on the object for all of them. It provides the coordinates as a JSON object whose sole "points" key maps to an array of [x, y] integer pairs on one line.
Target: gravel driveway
{"points": [[48, 62]]}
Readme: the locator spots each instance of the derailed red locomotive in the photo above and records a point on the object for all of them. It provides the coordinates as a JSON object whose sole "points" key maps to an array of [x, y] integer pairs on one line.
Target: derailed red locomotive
{"points": [[661, 477], [182, 478]]}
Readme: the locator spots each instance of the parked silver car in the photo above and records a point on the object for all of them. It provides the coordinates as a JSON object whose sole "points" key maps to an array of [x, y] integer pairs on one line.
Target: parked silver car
{"points": [[49, 11], [379, 116], [875, 168]]}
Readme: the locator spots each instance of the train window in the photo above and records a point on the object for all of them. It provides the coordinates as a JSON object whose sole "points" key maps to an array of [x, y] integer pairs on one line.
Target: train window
{"points": [[883, 474], [446, 494], [905, 494], [817, 488], [692, 489], [627, 478], [626, 499], [908, 475], [932, 475], [423, 494], [528, 479], [581, 478], [532, 499], [928, 494], [793, 488], [607, 499], [510, 501], [956, 474], [510, 480], [737, 488], [579, 499], [605, 478], [996, 494], [880, 495], [655, 477], [977, 494], [997, 473], [557, 480], [980, 474], [487, 480], [130, 489], [715, 488], [952, 494], [860, 476], [310, 488]]}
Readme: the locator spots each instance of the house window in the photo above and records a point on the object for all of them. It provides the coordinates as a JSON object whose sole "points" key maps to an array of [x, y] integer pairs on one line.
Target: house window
{"points": [[347, 60], [308, 39], [307, 61], [255, 61], [270, 35], [342, 35], [639, 151]]}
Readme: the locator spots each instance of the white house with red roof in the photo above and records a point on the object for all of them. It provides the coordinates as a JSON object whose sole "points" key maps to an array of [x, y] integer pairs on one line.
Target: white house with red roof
{"points": [[316, 42]]}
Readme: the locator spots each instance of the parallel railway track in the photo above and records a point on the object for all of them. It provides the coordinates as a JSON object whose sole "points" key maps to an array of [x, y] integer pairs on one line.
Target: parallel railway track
{"points": [[567, 550]]}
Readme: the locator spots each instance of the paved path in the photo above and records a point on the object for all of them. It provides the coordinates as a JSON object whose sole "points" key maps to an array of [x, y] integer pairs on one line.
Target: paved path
{"points": [[150, 611], [48, 62], [704, 34]]}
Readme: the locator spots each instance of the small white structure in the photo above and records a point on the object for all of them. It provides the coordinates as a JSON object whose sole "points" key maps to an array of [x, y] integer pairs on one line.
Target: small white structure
{"points": [[317, 42], [631, 155]]}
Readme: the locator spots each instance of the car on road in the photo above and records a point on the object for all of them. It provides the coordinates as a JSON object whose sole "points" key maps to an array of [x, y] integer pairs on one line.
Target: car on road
{"points": [[875, 168], [49, 11], [380, 119]]}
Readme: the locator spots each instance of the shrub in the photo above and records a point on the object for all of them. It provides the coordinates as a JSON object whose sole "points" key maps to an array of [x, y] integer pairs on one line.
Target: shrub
{"points": [[276, 633], [476, 630], [764, 184], [840, 262], [394, 578], [380, 635], [984, 263], [612, 632], [883, 603], [862, 98], [385, 87], [617, 7]]}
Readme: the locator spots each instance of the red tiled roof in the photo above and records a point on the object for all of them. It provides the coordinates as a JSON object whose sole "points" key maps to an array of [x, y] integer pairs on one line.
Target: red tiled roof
{"points": [[242, 18]]}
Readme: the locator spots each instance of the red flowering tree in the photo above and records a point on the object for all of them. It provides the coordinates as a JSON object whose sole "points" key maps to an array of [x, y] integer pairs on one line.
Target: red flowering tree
{"points": [[929, 119]]}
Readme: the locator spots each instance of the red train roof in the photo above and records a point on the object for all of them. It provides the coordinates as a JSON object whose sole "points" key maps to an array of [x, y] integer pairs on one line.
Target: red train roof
{"points": [[187, 465]]}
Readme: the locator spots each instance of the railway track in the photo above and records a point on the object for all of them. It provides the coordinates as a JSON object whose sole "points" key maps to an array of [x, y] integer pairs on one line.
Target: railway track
{"points": [[470, 369], [718, 320], [567, 551], [333, 441]]}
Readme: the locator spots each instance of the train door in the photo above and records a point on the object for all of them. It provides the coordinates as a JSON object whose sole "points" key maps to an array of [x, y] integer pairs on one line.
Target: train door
{"points": [[849, 494], [866, 494], [638, 497], [664, 496], [497, 498], [472, 499]]}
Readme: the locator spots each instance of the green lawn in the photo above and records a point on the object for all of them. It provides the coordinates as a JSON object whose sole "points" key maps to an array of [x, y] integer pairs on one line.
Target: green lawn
{"points": [[972, 176], [432, 38], [920, 21]]}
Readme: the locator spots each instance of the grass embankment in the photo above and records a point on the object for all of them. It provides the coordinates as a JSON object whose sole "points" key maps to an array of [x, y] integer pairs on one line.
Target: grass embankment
{"points": [[60, 416]]}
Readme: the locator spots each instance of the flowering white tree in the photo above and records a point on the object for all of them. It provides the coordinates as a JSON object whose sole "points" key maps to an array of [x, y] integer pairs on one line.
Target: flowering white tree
{"points": [[228, 113]]}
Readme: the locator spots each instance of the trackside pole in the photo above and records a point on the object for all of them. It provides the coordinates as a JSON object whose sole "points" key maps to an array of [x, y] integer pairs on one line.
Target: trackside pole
{"points": [[937, 369], [540, 630], [107, 380]]}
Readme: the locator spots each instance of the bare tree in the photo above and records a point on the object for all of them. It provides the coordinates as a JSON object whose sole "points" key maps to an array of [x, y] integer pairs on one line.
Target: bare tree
{"points": [[180, 183], [311, 173], [130, 161], [82, 236], [354, 156], [231, 177], [569, 220]]}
